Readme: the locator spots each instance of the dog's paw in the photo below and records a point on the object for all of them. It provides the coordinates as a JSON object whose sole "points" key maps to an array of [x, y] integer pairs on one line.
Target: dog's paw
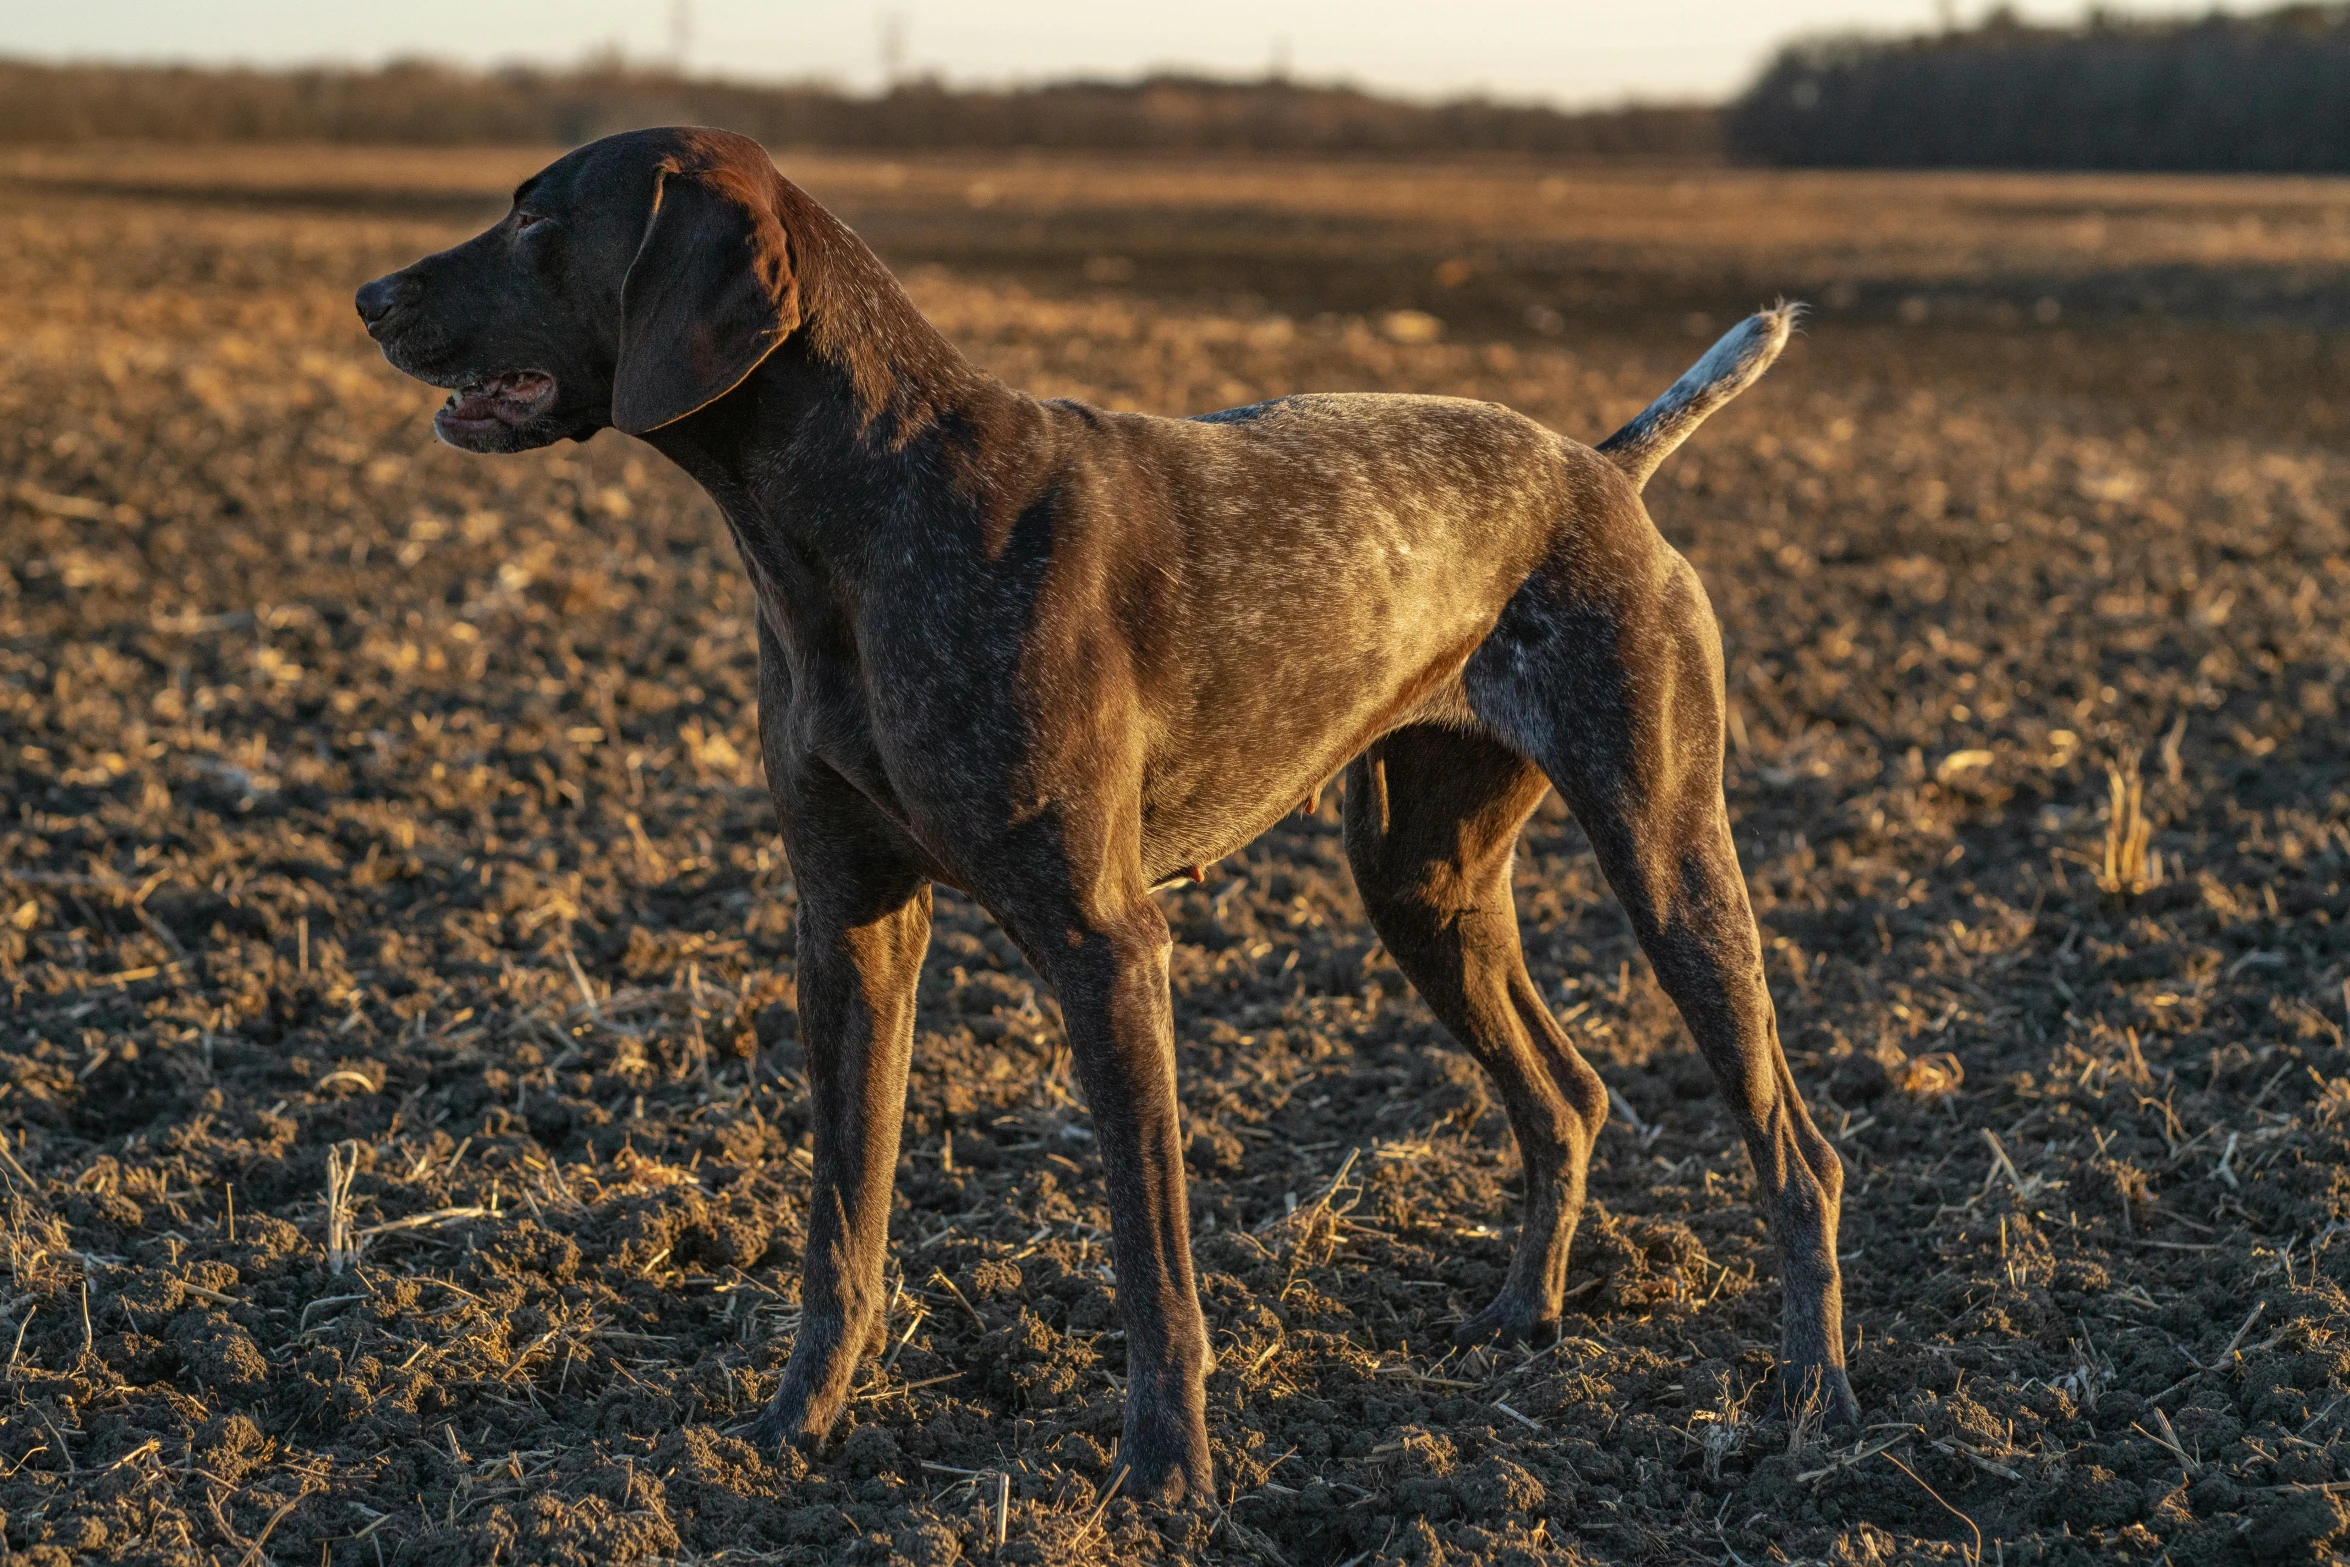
{"points": [[1509, 1322], [786, 1423], [1167, 1463], [1818, 1392]]}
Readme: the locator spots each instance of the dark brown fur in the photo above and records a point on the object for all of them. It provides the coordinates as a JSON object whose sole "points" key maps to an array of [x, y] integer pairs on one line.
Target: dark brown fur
{"points": [[1054, 656]]}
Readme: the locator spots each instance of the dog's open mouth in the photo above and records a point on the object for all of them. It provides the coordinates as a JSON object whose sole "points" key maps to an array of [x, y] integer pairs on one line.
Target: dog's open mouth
{"points": [[508, 400]]}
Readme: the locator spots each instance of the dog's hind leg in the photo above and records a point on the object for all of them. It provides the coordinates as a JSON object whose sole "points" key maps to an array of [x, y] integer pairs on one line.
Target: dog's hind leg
{"points": [[1432, 819], [1613, 681], [863, 925]]}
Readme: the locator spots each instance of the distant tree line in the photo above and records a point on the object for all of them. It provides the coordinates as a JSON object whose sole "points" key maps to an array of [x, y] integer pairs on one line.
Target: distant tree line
{"points": [[2268, 93], [425, 103]]}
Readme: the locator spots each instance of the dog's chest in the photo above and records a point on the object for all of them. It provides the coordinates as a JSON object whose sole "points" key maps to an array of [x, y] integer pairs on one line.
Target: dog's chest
{"points": [[927, 740]]}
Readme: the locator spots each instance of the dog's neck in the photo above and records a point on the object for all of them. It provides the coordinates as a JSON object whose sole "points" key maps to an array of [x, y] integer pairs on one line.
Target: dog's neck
{"points": [[902, 372], [815, 443]]}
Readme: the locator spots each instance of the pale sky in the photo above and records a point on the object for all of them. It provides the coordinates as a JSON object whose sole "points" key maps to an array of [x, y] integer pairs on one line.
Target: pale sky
{"points": [[1568, 53]]}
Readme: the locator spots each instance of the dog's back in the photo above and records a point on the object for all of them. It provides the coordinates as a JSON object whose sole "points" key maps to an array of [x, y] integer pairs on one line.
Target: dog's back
{"points": [[1316, 570]]}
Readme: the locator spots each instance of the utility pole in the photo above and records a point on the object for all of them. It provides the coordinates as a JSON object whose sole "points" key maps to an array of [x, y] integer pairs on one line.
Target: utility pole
{"points": [[681, 34], [893, 49]]}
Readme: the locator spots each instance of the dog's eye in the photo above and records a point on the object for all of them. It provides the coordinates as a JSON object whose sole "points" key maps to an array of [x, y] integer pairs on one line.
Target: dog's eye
{"points": [[528, 220]]}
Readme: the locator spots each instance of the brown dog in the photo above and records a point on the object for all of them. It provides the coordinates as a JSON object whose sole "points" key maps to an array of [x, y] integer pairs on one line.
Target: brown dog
{"points": [[1054, 656]]}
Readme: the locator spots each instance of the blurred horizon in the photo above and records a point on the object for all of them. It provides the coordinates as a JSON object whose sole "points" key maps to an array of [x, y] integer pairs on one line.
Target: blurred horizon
{"points": [[1510, 50]]}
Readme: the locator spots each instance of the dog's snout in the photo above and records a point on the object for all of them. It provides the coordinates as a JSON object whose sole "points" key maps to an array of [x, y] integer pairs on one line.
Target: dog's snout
{"points": [[377, 300]]}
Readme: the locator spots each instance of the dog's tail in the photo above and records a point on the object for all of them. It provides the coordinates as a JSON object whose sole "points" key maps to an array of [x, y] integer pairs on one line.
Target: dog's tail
{"points": [[1728, 368]]}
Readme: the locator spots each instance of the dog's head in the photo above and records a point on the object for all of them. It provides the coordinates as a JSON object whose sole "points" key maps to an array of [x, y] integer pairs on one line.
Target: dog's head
{"points": [[635, 280]]}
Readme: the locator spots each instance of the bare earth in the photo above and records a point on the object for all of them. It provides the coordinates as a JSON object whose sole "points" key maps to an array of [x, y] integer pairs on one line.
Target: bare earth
{"points": [[405, 1128]]}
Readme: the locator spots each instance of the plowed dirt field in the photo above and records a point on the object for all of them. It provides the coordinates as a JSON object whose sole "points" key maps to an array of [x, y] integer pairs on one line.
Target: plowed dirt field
{"points": [[405, 1128]]}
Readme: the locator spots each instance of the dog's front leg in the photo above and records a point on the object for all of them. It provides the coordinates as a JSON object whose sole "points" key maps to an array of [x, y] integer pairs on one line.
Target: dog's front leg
{"points": [[1111, 976], [863, 926]]}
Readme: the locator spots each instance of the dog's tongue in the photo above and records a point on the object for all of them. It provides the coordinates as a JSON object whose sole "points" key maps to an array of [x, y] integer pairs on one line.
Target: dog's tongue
{"points": [[472, 403], [511, 398]]}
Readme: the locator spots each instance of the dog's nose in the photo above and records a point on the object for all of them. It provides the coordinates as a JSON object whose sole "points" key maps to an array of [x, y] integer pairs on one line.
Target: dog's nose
{"points": [[377, 300]]}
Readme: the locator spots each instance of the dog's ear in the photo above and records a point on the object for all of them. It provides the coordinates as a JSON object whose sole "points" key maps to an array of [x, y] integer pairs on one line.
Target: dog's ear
{"points": [[709, 295]]}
